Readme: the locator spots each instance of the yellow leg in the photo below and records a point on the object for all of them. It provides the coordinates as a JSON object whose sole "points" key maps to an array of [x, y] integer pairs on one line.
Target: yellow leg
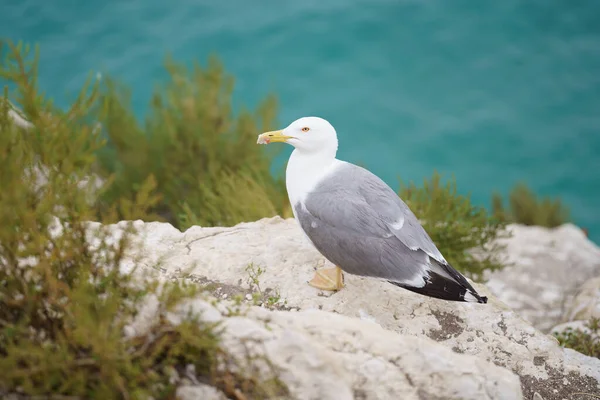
{"points": [[328, 279]]}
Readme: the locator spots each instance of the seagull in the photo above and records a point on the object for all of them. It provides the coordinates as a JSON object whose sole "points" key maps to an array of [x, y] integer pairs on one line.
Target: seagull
{"points": [[357, 222]]}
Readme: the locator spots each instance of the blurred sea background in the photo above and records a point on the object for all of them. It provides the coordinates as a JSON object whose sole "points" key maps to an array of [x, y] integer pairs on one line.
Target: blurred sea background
{"points": [[492, 92]]}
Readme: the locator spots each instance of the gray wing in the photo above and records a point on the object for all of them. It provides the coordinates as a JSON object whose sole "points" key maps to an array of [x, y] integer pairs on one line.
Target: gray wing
{"points": [[360, 224]]}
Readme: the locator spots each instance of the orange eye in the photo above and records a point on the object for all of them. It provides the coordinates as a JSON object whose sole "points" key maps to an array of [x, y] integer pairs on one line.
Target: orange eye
{"points": [[305, 129]]}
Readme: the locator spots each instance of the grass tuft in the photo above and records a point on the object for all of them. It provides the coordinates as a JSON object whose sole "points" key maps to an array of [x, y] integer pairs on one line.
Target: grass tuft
{"points": [[585, 341], [524, 207]]}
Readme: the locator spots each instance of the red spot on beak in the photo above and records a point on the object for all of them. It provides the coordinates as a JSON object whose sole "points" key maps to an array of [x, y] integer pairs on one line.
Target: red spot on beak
{"points": [[267, 140]]}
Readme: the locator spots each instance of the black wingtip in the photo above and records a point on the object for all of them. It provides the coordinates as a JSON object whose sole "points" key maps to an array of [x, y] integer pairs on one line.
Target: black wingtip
{"points": [[479, 299], [441, 288]]}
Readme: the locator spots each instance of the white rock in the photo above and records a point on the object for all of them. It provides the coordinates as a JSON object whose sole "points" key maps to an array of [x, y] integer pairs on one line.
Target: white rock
{"points": [[584, 306], [147, 316], [491, 332], [376, 363], [199, 392], [198, 307], [16, 115], [586, 303], [548, 267], [325, 356]]}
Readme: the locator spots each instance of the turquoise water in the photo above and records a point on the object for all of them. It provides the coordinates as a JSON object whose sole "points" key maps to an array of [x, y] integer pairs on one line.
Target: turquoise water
{"points": [[491, 91]]}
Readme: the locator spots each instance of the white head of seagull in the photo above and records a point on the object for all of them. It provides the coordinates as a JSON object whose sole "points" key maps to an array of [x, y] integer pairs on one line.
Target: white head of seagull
{"points": [[307, 134], [315, 146]]}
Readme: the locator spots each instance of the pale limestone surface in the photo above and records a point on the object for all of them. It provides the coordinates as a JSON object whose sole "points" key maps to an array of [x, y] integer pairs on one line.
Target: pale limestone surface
{"points": [[199, 392], [491, 332], [548, 267], [586, 303], [325, 356], [584, 306]]}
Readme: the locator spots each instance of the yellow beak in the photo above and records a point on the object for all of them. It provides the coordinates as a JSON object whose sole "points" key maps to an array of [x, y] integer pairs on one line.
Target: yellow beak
{"points": [[272, 137]]}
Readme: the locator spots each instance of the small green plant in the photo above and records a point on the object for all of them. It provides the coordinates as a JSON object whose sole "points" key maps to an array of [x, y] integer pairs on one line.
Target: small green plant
{"points": [[273, 300], [270, 298], [525, 208], [455, 225], [254, 272], [584, 341]]}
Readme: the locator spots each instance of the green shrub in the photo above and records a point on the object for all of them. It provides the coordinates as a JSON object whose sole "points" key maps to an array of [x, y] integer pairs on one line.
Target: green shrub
{"points": [[460, 230], [525, 208], [207, 166], [63, 301], [586, 342]]}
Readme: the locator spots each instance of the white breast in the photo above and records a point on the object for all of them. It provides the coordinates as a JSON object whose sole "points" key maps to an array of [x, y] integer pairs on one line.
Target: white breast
{"points": [[304, 172]]}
